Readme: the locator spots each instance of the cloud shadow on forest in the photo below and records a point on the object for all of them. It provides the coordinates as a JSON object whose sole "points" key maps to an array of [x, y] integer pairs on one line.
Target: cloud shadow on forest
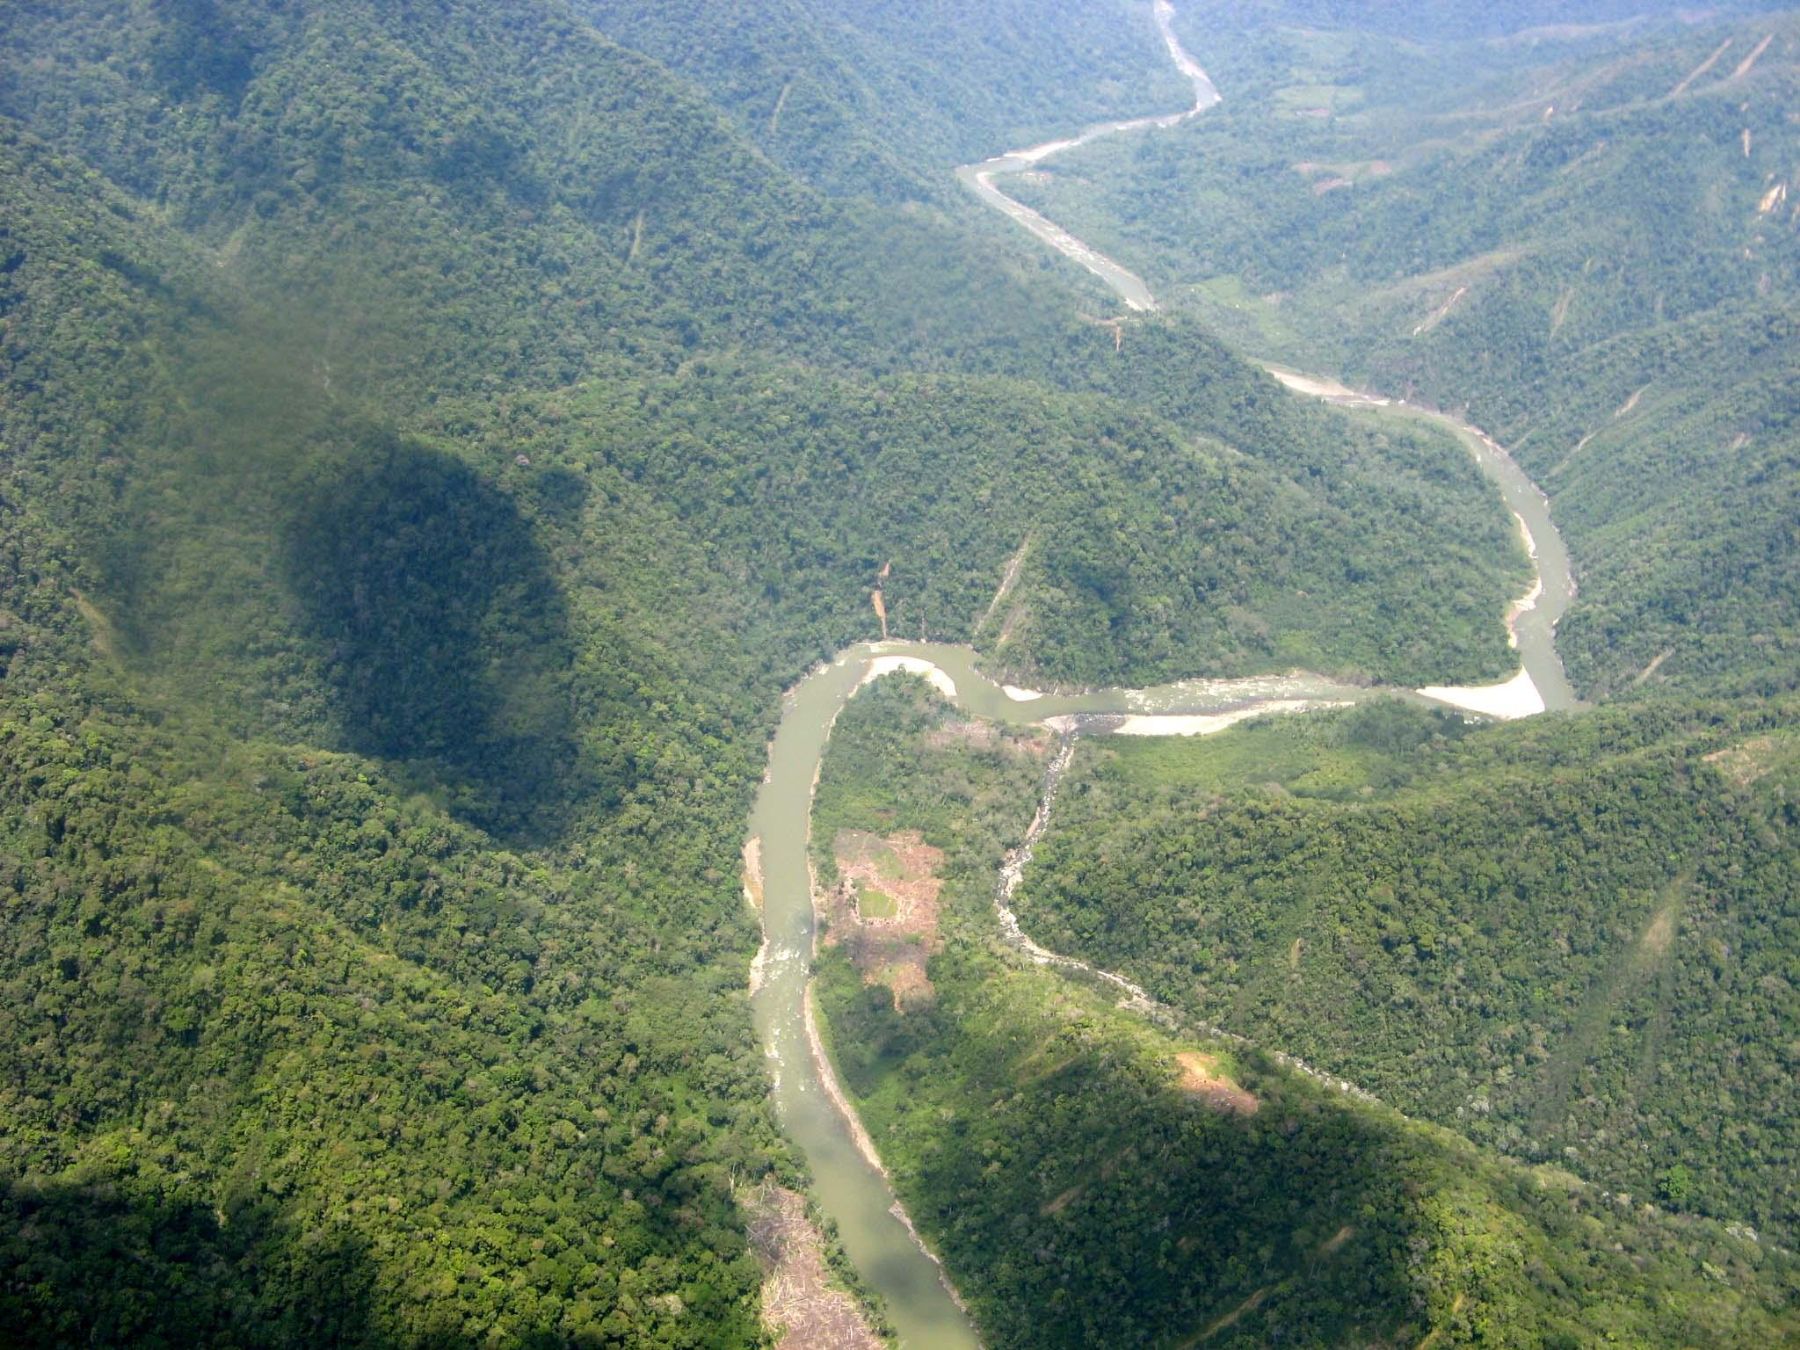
{"points": [[447, 637], [96, 1265]]}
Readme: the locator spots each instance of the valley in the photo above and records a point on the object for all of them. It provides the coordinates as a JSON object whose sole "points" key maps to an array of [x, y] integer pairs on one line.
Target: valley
{"points": [[462, 462], [925, 1314], [919, 1299]]}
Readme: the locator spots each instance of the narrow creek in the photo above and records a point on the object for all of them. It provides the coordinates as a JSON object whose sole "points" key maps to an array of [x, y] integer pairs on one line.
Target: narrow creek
{"points": [[848, 1180]]}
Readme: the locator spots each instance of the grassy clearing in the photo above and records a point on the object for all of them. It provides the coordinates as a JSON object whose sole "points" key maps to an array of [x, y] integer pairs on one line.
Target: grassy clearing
{"points": [[1301, 99], [874, 904], [1759, 757]]}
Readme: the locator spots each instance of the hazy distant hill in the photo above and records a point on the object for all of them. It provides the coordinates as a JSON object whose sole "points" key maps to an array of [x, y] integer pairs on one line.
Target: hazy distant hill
{"points": [[882, 98], [1585, 239], [1454, 19]]}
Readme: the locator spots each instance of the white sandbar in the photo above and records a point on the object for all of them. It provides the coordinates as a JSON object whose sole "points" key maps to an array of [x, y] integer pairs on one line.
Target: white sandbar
{"points": [[910, 665], [1205, 724], [1515, 698]]}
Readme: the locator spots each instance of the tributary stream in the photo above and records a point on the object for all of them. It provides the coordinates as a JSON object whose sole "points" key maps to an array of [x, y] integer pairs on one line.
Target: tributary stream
{"points": [[847, 1180]]}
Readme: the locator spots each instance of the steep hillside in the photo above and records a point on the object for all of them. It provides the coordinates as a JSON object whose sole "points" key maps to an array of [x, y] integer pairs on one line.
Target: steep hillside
{"points": [[434, 437], [456, 199], [300, 1047], [1144, 552], [1092, 1176], [869, 98], [1529, 20], [1569, 942], [1584, 238]]}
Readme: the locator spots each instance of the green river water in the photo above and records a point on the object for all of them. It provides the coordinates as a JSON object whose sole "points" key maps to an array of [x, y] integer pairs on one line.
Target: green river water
{"points": [[848, 1185]]}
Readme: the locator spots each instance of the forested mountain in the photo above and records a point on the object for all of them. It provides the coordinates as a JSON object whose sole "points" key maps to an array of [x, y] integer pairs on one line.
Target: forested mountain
{"points": [[1583, 236], [1143, 1182], [434, 435], [1572, 942], [879, 99], [1532, 20]]}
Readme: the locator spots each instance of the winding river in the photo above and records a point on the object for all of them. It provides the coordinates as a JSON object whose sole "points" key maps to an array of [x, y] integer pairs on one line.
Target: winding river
{"points": [[848, 1180]]}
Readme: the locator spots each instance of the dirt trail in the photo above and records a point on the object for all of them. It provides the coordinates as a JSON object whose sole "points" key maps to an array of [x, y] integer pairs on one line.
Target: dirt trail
{"points": [[1337, 1240], [780, 103], [1701, 69], [1230, 1319], [1749, 62], [1654, 666], [1441, 313], [1008, 579], [101, 633], [1560, 315], [1627, 974]]}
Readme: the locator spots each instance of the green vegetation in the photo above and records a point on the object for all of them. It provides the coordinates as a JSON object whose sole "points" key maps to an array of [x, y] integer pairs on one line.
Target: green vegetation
{"points": [[275, 1031], [1569, 941], [1572, 941], [434, 436], [1085, 1186], [1584, 236], [1524, 21], [1154, 553], [874, 904], [436, 433], [869, 98], [1289, 537]]}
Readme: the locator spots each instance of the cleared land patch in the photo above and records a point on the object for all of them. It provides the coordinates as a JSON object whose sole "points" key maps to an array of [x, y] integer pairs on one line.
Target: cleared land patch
{"points": [[1754, 759], [801, 1303], [1201, 1077], [884, 909]]}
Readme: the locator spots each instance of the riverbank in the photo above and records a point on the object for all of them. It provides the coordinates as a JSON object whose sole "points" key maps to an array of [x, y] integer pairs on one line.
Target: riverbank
{"points": [[849, 1178], [1540, 682]]}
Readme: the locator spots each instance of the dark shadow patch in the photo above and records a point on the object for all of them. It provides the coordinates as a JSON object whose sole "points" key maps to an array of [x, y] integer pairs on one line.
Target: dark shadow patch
{"points": [[99, 1265], [197, 50], [1150, 1216], [483, 159], [447, 638], [561, 494]]}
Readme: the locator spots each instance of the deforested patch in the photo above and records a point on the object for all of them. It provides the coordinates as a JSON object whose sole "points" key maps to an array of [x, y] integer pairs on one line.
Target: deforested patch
{"points": [[1201, 1078], [884, 909], [802, 1306]]}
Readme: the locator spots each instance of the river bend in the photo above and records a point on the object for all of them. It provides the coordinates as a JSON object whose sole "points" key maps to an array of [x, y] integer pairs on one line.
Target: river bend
{"points": [[848, 1180]]}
